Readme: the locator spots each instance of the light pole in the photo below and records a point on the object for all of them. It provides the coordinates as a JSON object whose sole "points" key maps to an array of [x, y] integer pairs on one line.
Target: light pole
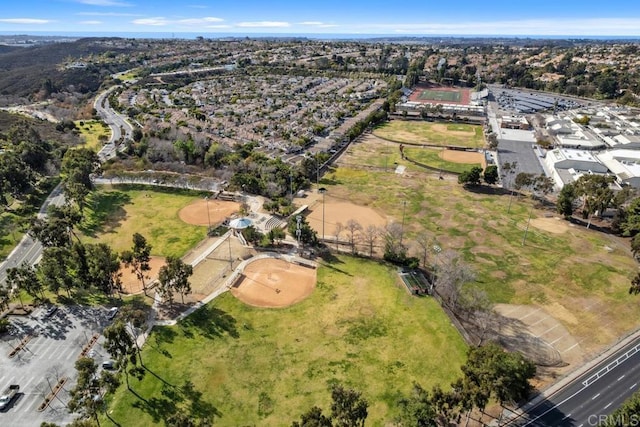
{"points": [[322, 190], [208, 216], [404, 208]]}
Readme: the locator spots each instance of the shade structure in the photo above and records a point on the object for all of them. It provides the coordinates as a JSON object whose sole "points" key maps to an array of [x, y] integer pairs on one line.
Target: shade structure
{"points": [[240, 223]]}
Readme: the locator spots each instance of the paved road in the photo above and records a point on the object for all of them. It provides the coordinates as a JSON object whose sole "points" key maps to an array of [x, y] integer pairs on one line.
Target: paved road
{"points": [[116, 122], [592, 396], [29, 250]]}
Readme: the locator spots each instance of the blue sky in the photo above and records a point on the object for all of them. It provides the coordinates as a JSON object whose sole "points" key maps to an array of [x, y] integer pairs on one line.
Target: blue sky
{"points": [[422, 17]]}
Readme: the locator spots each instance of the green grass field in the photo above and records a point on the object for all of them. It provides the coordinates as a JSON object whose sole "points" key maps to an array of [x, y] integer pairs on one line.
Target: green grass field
{"points": [[94, 133], [443, 134], [265, 367], [114, 214], [559, 271], [439, 95], [430, 157]]}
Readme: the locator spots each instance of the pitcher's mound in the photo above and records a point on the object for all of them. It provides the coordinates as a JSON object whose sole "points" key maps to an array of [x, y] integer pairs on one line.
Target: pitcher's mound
{"points": [[274, 283]]}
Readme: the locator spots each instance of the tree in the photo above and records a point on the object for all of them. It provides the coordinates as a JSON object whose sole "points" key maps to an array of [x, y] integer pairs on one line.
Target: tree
{"points": [[85, 396], [119, 344], [313, 418], [470, 177], [174, 277], [635, 246], [626, 415], [56, 229], [566, 200], [491, 371], [308, 235], [426, 242], [138, 259], [339, 228], [453, 275], [596, 194], [417, 410], [104, 268], [348, 409], [370, 236], [77, 167], [25, 278], [635, 285], [490, 175], [54, 268], [353, 228]]}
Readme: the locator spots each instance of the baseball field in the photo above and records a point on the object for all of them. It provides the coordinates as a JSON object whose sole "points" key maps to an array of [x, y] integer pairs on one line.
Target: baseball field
{"points": [[432, 133]]}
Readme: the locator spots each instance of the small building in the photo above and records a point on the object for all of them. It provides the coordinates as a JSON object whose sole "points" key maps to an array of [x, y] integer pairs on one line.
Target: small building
{"points": [[566, 165], [624, 164], [515, 122]]}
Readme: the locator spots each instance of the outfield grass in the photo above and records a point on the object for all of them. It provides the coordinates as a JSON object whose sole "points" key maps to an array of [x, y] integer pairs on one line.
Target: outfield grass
{"points": [[91, 131], [113, 215], [431, 158], [432, 133], [265, 367]]}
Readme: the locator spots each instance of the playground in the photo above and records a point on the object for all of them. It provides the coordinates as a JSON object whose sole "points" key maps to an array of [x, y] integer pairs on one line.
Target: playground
{"points": [[274, 283]]}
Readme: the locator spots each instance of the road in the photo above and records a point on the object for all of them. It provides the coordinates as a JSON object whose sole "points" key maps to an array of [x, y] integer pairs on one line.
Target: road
{"points": [[29, 250], [592, 396], [116, 122]]}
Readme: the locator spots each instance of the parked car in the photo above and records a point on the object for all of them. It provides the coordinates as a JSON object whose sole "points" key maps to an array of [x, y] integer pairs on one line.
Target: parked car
{"points": [[8, 394], [50, 311], [109, 364], [112, 313]]}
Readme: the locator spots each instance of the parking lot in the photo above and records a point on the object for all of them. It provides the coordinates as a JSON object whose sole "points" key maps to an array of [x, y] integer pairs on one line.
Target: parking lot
{"points": [[54, 346]]}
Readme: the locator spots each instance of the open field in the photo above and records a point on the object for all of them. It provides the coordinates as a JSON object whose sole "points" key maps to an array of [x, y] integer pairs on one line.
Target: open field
{"points": [[430, 133], [445, 160], [91, 131], [267, 366], [441, 95], [580, 277], [114, 214]]}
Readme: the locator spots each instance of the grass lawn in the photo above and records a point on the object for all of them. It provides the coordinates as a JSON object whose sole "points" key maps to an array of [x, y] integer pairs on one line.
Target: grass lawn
{"points": [[114, 214], [444, 134], [579, 276], [265, 367], [91, 131], [431, 157]]}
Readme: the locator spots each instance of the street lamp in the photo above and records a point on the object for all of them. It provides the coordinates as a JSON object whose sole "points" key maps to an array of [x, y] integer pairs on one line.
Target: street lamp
{"points": [[322, 190], [404, 208], [208, 216]]}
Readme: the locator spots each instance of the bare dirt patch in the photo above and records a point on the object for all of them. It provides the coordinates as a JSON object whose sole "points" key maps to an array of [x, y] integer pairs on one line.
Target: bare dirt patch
{"points": [[196, 212], [336, 211], [274, 283], [552, 225], [457, 156], [131, 284]]}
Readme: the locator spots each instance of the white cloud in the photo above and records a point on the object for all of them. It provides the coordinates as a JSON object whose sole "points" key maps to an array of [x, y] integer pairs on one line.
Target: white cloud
{"points": [[199, 21], [106, 14], [104, 3], [263, 24], [156, 22], [315, 23], [217, 27], [533, 27], [27, 21], [90, 22]]}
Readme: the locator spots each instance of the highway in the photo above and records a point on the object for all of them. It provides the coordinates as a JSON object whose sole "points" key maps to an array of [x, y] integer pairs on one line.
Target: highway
{"points": [[591, 396]]}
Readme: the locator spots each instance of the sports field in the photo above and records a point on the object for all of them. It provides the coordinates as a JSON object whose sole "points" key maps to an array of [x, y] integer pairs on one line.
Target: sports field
{"points": [[256, 366], [439, 95], [558, 269], [113, 215], [432, 133]]}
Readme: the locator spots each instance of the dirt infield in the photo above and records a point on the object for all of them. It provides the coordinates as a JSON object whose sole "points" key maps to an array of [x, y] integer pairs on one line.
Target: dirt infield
{"points": [[456, 156], [131, 284], [274, 283], [465, 95], [196, 212], [338, 211]]}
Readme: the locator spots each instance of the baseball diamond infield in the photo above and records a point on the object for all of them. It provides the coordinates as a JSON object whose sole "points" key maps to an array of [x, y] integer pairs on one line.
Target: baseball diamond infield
{"points": [[196, 212], [274, 283]]}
